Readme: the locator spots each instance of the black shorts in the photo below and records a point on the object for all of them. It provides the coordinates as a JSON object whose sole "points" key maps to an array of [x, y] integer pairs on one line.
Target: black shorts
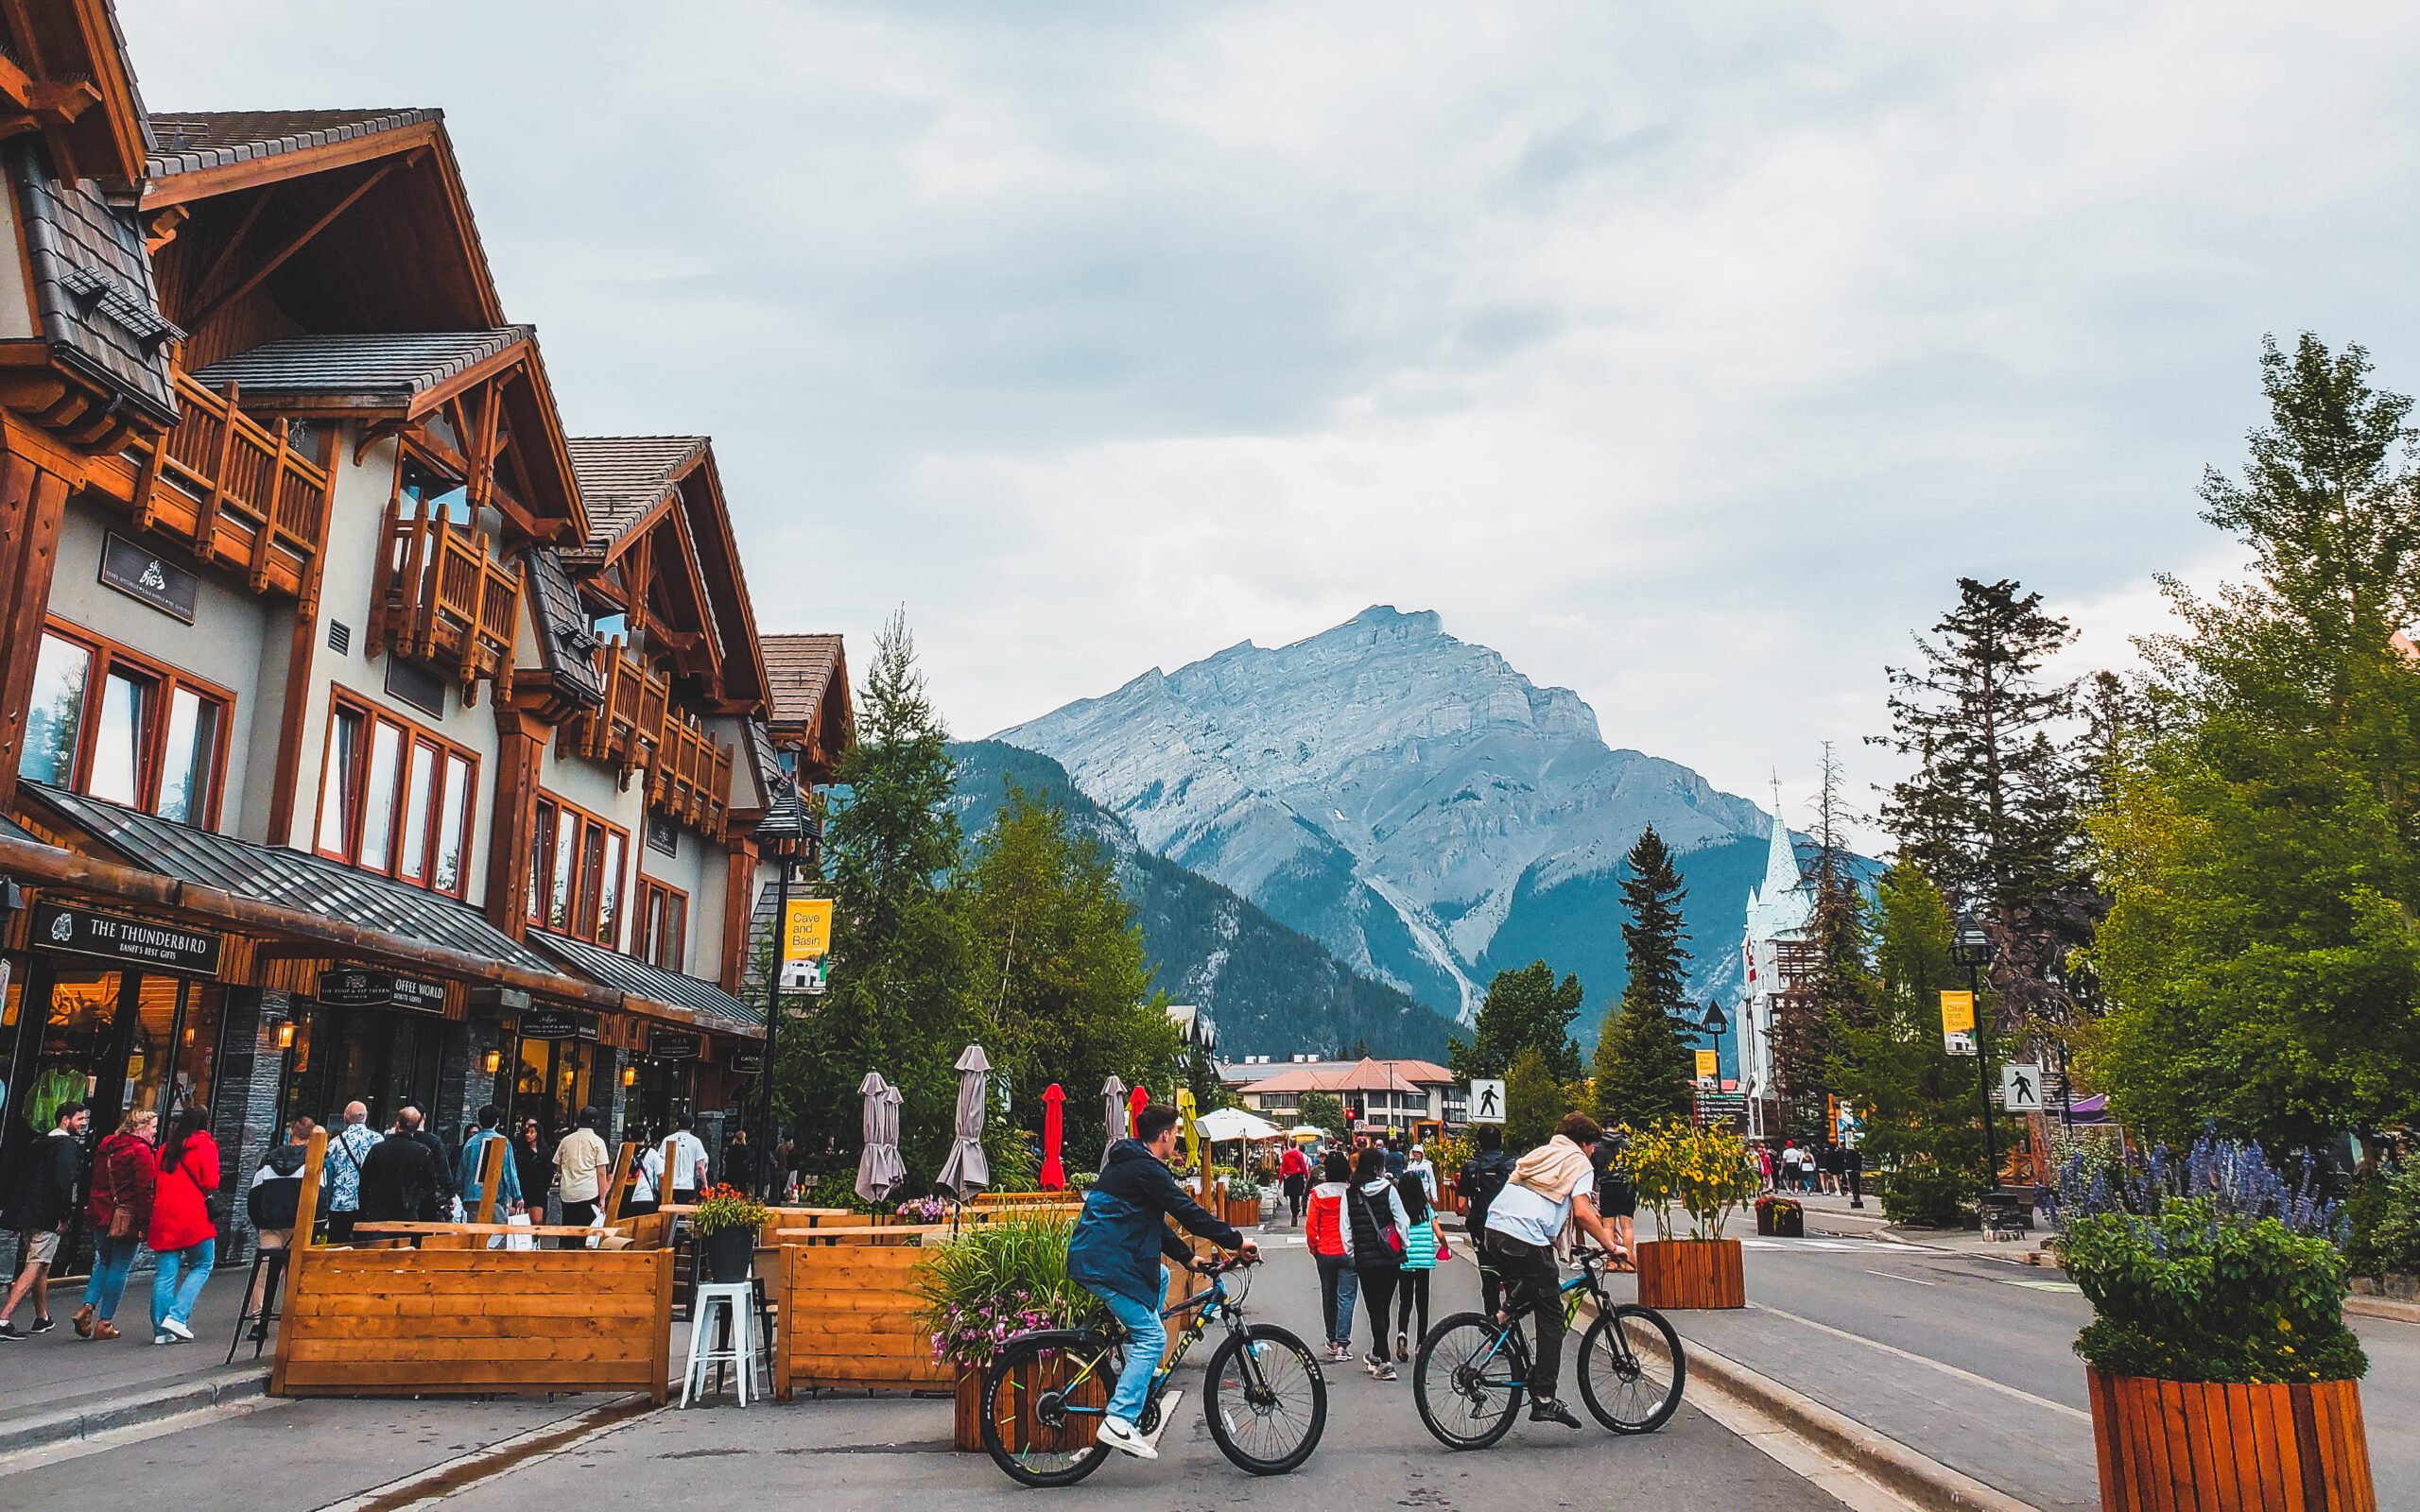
{"points": [[1618, 1197]]}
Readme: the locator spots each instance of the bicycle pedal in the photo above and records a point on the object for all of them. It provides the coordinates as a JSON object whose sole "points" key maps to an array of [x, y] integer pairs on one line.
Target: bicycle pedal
{"points": [[1166, 1413]]}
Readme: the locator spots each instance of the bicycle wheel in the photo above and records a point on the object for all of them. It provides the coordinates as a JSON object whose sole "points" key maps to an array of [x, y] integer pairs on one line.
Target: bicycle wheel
{"points": [[1267, 1404], [1042, 1403], [1631, 1369], [1467, 1381]]}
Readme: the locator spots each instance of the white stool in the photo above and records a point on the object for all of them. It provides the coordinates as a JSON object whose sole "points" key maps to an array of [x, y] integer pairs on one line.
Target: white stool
{"points": [[737, 1302]]}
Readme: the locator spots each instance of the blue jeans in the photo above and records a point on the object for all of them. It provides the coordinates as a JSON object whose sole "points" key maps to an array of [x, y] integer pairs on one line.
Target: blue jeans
{"points": [[112, 1260], [1339, 1287], [177, 1285], [1146, 1337]]}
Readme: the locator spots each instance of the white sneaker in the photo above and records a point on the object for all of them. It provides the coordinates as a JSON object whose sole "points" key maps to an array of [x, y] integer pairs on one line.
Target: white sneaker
{"points": [[162, 1338], [1120, 1436], [170, 1325], [1168, 1401]]}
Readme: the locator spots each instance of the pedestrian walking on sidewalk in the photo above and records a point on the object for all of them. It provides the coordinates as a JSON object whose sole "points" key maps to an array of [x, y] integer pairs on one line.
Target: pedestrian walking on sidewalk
{"points": [[1422, 1246], [441, 1205], [348, 1147], [124, 1174], [475, 1165], [399, 1181], [1374, 1226], [1476, 1183], [1325, 1233], [1616, 1194], [55, 1170], [578, 1162], [533, 1167], [1419, 1169], [183, 1232], [1294, 1170], [274, 1204]]}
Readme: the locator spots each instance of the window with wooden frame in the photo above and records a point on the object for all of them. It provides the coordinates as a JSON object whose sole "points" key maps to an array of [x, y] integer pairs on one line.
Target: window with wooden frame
{"points": [[396, 798], [663, 925], [110, 722], [577, 865]]}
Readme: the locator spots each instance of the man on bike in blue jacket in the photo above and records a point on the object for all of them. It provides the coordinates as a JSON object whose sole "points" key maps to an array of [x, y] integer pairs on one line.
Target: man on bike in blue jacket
{"points": [[1115, 1255]]}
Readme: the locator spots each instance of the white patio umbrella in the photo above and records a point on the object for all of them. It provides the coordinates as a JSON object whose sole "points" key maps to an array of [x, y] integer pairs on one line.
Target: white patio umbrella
{"points": [[1112, 1099], [1225, 1124], [879, 1169], [967, 1169]]}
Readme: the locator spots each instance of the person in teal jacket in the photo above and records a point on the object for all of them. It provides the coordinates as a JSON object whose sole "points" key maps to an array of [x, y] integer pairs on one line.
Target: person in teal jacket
{"points": [[474, 1159], [1420, 1247]]}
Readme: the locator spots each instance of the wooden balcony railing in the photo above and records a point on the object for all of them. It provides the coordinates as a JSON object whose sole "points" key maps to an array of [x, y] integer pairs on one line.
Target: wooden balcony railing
{"points": [[689, 773], [441, 596], [236, 491]]}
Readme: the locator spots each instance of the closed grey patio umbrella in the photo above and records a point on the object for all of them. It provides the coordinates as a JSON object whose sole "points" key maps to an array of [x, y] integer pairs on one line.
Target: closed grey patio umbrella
{"points": [[878, 1164], [1112, 1117], [966, 1170]]}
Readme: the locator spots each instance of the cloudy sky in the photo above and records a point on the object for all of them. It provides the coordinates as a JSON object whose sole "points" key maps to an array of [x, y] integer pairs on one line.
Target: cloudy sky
{"points": [[1686, 354]]}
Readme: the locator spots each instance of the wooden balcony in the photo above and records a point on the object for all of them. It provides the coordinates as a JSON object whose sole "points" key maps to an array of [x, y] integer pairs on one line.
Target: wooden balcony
{"points": [[688, 775], [235, 491], [439, 596]]}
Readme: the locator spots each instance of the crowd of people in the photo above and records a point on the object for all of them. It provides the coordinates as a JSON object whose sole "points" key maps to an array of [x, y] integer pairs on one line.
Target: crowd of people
{"points": [[1833, 1167]]}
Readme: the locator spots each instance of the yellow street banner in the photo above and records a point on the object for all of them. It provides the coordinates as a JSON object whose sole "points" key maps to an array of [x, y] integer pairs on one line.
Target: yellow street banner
{"points": [[806, 930], [1709, 1065], [1958, 1012]]}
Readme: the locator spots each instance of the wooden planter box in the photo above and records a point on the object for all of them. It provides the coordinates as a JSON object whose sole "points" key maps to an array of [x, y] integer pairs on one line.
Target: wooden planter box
{"points": [[966, 1425], [1691, 1273], [1243, 1212], [848, 1305], [2180, 1445], [1032, 1378]]}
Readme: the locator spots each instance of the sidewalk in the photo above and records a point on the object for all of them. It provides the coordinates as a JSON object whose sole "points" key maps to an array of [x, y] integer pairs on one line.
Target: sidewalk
{"points": [[57, 1386]]}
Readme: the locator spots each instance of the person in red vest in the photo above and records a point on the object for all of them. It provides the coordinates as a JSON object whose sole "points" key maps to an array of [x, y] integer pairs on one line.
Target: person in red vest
{"points": [[1294, 1170]]}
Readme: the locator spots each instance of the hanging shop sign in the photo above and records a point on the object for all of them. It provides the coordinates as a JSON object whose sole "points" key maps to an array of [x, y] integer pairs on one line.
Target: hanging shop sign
{"points": [[81, 932], [556, 1023], [674, 1044], [353, 988], [806, 929], [746, 1062], [142, 574]]}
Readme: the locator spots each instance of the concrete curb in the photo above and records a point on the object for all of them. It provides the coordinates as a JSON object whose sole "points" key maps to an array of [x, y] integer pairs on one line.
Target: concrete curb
{"points": [[2359, 1306], [1922, 1482], [111, 1413]]}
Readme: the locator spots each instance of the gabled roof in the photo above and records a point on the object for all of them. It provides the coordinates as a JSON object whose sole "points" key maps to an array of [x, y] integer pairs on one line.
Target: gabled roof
{"points": [[198, 141], [376, 371], [622, 479], [93, 284], [798, 672], [79, 43]]}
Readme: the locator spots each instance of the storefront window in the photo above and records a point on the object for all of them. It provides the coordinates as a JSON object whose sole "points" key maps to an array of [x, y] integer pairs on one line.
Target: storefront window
{"points": [[550, 1082], [55, 718], [78, 1037]]}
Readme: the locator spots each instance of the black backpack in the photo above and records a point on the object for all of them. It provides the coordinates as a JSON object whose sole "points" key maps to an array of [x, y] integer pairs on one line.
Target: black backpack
{"points": [[1480, 1180]]}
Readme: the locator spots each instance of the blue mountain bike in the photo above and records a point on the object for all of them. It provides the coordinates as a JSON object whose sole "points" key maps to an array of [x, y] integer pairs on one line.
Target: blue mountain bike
{"points": [[1044, 1393]]}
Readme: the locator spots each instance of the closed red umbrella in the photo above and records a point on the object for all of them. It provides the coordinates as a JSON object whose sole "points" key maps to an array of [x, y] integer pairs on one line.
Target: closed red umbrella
{"points": [[1137, 1100], [1054, 1177]]}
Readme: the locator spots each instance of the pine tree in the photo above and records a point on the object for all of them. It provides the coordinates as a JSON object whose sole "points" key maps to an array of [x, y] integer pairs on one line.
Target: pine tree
{"points": [[1643, 1068], [1524, 1008], [1991, 811], [897, 1001], [2260, 952]]}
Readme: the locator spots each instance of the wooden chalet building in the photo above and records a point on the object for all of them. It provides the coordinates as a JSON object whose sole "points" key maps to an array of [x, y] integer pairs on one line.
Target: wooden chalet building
{"points": [[363, 735]]}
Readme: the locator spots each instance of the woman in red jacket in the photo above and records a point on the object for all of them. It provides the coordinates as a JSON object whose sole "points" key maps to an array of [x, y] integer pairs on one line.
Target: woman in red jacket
{"points": [[1339, 1285], [181, 1234], [125, 1171]]}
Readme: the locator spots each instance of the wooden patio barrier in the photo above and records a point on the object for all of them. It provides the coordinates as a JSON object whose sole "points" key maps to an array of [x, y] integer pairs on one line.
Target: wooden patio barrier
{"points": [[848, 1305], [469, 1321]]}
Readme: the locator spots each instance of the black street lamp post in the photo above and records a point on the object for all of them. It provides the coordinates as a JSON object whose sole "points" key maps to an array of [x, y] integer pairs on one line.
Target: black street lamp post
{"points": [[1972, 949]]}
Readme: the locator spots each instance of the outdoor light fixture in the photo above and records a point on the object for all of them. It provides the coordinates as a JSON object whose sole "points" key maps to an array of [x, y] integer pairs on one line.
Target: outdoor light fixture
{"points": [[630, 1075], [1972, 946], [493, 1062], [1715, 1022], [285, 1034]]}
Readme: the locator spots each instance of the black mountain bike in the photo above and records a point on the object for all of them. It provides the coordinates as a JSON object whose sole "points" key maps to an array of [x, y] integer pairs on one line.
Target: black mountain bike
{"points": [[1045, 1393], [1473, 1370]]}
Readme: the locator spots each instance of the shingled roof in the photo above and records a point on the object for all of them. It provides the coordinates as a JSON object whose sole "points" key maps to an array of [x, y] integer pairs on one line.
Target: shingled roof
{"points": [[799, 671], [561, 621], [93, 284], [387, 370], [622, 477], [189, 141]]}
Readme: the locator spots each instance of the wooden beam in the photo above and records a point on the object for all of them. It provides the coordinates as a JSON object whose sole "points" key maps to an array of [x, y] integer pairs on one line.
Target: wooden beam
{"points": [[210, 183], [33, 503], [235, 242], [310, 232], [491, 1177]]}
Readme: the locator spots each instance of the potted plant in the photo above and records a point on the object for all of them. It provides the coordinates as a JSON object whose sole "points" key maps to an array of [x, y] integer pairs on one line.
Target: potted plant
{"points": [[727, 1224], [2220, 1367], [1780, 1217], [1243, 1201], [986, 1284], [922, 1209], [1704, 1171]]}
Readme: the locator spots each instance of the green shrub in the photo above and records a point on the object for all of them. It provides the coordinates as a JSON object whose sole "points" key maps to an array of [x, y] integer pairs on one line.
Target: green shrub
{"points": [[1924, 1191], [2190, 1295], [2385, 1216], [1015, 1159], [836, 1189]]}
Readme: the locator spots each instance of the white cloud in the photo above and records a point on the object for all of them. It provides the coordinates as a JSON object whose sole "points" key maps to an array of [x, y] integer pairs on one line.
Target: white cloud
{"points": [[1686, 355]]}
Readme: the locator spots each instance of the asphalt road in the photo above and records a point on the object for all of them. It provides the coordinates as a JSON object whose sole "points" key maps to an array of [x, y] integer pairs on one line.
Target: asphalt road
{"points": [[848, 1452], [1969, 1360]]}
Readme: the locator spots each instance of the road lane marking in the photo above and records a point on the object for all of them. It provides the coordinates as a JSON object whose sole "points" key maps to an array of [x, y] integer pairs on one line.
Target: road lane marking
{"points": [[2041, 1286], [2001, 1386], [1890, 1276]]}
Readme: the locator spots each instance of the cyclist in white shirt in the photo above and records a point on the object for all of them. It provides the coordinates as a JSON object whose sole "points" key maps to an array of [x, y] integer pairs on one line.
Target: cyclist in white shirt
{"points": [[1554, 1187]]}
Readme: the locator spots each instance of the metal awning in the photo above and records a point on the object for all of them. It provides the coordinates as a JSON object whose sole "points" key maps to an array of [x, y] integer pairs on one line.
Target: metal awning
{"points": [[706, 1004]]}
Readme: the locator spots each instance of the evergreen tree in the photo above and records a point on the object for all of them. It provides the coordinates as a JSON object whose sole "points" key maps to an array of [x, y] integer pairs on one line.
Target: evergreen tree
{"points": [[1643, 1066], [1991, 812], [1063, 994], [1534, 1101], [1524, 1008], [1917, 1101], [2260, 953], [897, 1001]]}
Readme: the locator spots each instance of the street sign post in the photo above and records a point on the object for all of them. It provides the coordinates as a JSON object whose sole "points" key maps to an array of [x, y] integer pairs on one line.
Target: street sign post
{"points": [[2021, 1088], [1486, 1100]]}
